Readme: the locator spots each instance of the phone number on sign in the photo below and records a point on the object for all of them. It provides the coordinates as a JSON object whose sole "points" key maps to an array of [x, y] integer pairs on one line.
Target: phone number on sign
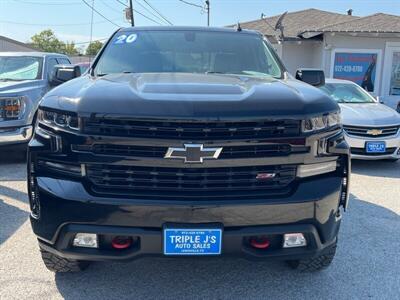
{"points": [[348, 69]]}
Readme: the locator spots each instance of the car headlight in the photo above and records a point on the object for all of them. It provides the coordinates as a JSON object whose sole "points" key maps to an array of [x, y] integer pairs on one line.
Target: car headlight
{"points": [[12, 108], [321, 122], [57, 119]]}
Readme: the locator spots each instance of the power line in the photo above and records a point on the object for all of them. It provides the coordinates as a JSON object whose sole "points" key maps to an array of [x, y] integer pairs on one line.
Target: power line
{"points": [[47, 3], [138, 12], [149, 11], [192, 4], [205, 8], [110, 7], [82, 43], [158, 12], [100, 14], [50, 25]]}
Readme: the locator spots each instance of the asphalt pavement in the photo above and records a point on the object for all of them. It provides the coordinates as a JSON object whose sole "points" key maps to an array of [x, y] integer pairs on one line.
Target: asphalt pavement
{"points": [[367, 264]]}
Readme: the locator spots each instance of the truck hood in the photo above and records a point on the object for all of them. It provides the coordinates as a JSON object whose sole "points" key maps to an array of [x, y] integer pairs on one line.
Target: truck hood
{"points": [[18, 87], [181, 95], [369, 114]]}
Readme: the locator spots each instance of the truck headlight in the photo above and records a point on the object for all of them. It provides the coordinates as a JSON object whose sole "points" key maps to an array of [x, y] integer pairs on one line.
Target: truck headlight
{"points": [[321, 122], [58, 119], [12, 108]]}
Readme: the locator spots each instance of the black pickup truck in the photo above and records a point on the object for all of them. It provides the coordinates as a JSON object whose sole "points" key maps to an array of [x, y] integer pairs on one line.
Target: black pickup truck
{"points": [[185, 141]]}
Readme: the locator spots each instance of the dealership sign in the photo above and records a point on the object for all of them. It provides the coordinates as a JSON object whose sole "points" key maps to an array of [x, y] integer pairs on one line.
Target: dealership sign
{"points": [[357, 67]]}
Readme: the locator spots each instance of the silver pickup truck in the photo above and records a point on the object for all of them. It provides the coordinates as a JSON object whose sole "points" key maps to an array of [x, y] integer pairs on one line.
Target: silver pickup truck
{"points": [[24, 79]]}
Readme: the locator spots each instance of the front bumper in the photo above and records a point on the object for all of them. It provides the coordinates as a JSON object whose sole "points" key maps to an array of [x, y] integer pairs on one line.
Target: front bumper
{"points": [[66, 208], [15, 135], [149, 242], [357, 145]]}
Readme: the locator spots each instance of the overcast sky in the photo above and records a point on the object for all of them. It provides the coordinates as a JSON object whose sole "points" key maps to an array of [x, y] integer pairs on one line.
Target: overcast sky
{"points": [[70, 19]]}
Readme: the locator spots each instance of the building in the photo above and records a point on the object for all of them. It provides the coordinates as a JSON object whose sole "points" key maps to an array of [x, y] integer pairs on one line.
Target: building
{"points": [[10, 45], [365, 50]]}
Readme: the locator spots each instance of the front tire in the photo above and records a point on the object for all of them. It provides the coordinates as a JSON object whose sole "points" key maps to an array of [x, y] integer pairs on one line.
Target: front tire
{"points": [[59, 264], [316, 263]]}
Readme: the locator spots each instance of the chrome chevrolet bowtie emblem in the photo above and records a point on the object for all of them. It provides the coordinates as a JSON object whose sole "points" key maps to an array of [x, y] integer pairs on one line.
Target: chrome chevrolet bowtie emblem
{"points": [[193, 153], [374, 132]]}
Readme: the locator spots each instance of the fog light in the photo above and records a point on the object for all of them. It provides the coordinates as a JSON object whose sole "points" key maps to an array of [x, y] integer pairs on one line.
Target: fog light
{"points": [[291, 240], [316, 169], [88, 240]]}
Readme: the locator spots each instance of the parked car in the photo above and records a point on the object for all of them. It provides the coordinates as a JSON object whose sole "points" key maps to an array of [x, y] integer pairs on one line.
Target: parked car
{"points": [[187, 141], [84, 66], [398, 107], [24, 79], [371, 128]]}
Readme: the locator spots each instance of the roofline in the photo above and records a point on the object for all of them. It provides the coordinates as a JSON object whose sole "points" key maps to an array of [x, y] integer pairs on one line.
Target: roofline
{"points": [[355, 31], [17, 42], [321, 29], [295, 12], [31, 53]]}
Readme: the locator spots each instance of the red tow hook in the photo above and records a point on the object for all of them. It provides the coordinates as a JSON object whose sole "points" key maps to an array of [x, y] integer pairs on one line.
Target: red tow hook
{"points": [[121, 242], [259, 243]]}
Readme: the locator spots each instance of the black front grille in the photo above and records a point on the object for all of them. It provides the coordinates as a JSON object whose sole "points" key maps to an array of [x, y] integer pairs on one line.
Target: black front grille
{"points": [[191, 183], [228, 152], [362, 151], [194, 131], [371, 131]]}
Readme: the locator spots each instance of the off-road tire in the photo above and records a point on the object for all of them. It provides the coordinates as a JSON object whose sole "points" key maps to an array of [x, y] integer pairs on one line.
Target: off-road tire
{"points": [[59, 264], [316, 263]]}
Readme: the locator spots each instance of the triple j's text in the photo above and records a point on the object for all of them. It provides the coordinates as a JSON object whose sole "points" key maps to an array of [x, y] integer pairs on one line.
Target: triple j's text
{"points": [[193, 241]]}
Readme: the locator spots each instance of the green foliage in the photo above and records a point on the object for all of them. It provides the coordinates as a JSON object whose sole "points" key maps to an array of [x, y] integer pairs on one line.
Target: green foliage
{"points": [[94, 48], [48, 42], [70, 49]]}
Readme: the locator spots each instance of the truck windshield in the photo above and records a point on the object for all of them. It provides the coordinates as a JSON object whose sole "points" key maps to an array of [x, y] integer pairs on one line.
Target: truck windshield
{"points": [[183, 51], [20, 68], [347, 93]]}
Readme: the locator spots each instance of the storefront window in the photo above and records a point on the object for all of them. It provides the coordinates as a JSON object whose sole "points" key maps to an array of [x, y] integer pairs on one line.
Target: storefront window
{"points": [[357, 67], [395, 75]]}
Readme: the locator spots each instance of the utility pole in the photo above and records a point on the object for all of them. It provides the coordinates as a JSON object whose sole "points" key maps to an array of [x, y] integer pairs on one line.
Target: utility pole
{"points": [[91, 29], [131, 12], [208, 12]]}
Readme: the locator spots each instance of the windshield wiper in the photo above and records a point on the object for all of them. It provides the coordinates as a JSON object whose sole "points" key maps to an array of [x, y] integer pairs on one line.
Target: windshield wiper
{"points": [[123, 72], [10, 79], [214, 72]]}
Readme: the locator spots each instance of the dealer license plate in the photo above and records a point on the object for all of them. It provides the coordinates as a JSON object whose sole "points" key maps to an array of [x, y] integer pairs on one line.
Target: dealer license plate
{"points": [[376, 147], [192, 241]]}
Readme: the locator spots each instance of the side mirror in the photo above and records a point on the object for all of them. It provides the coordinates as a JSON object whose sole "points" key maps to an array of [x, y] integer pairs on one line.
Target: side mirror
{"points": [[313, 77], [64, 73]]}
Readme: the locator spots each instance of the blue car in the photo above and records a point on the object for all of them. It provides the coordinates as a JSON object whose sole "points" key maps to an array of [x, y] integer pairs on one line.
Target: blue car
{"points": [[24, 79]]}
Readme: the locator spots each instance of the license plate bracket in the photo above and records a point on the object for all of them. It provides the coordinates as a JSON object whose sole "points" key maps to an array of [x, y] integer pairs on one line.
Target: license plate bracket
{"points": [[192, 240], [375, 147]]}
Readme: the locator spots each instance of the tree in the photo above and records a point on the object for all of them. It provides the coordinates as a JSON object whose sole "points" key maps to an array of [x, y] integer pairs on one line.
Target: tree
{"points": [[70, 49], [47, 41], [94, 48]]}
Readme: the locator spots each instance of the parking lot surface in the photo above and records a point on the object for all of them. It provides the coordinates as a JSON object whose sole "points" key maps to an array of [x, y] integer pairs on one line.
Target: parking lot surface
{"points": [[367, 264]]}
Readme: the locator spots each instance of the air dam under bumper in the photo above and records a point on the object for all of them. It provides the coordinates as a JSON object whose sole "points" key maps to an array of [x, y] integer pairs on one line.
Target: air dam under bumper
{"points": [[312, 209]]}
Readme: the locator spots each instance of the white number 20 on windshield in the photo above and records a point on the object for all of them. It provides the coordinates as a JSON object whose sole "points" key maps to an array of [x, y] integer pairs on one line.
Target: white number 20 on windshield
{"points": [[122, 39]]}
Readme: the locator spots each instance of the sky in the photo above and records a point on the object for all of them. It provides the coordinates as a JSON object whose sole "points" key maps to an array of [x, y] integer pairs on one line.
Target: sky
{"points": [[70, 19]]}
